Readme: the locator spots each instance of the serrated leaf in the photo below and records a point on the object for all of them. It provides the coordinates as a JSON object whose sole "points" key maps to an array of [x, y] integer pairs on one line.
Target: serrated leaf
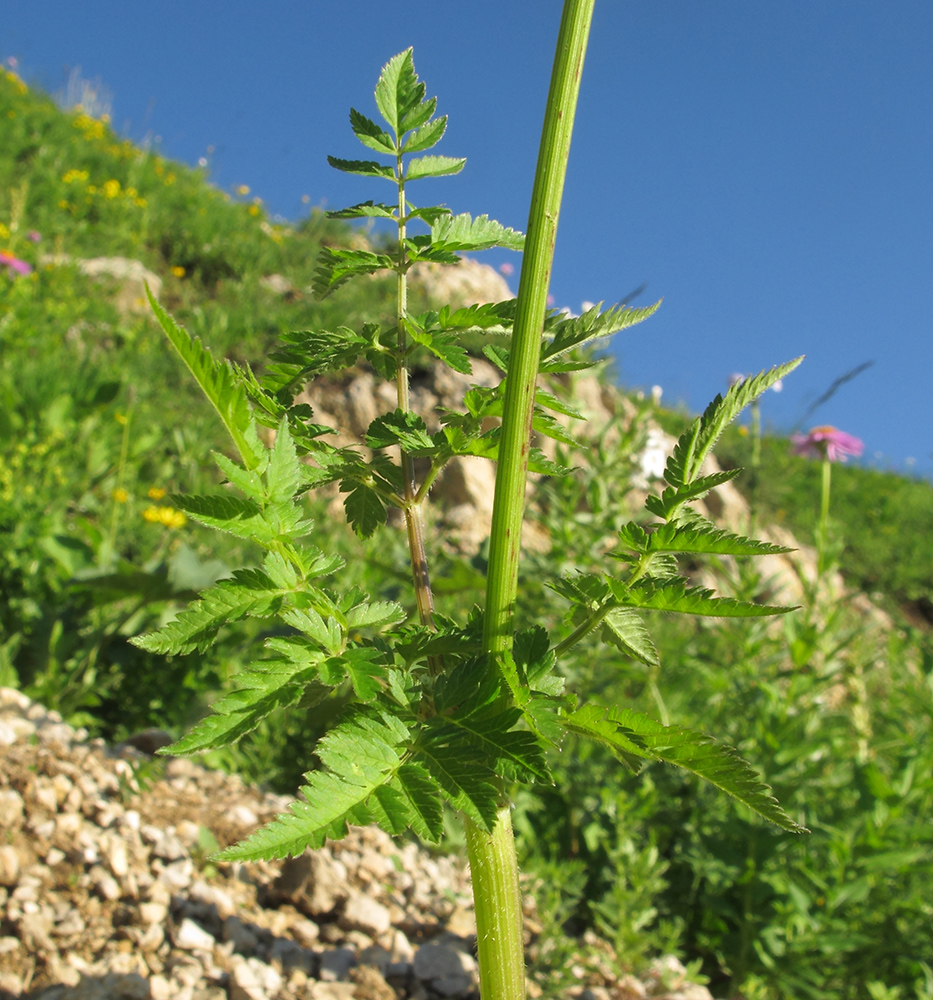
{"points": [[263, 688], [575, 331], [326, 632], [398, 92], [284, 471], [426, 136], [334, 267], [365, 508], [677, 595], [403, 428], [364, 210], [425, 812], [631, 735], [370, 134], [367, 168], [367, 675], [275, 523], [361, 755], [248, 481], [672, 498], [219, 382], [249, 593], [462, 232], [451, 353], [464, 777], [433, 166], [707, 539], [376, 615], [695, 444], [627, 630]]}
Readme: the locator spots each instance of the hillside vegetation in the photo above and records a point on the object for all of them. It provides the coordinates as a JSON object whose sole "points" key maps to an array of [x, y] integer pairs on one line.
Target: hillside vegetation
{"points": [[99, 424]]}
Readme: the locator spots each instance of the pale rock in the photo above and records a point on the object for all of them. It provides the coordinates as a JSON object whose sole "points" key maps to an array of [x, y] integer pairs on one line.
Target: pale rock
{"points": [[11, 983], [11, 807], [114, 854], [243, 816], [365, 914], [192, 936], [106, 885], [371, 983], [11, 698], [55, 857], [152, 913], [177, 875], [160, 988], [253, 980], [71, 923], [689, 991], [213, 895], [305, 932], [313, 882], [7, 734], [131, 276], [331, 991], [9, 865]]}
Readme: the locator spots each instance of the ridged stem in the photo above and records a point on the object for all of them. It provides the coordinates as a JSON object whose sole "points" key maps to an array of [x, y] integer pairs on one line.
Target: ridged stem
{"points": [[493, 861]]}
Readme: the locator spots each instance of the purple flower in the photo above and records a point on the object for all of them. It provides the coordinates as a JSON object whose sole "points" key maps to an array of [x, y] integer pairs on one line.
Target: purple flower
{"points": [[34, 236], [13, 264], [827, 442]]}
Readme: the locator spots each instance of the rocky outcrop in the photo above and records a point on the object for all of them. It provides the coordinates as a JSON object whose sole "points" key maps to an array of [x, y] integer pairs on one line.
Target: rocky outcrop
{"points": [[130, 278], [107, 891]]}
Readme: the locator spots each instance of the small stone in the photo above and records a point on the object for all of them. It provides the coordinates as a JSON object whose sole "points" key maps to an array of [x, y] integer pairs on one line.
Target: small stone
{"points": [[114, 853], [291, 956], [445, 969], [305, 932], [243, 816], [253, 980], [370, 984], [365, 914], [191, 936], [70, 924], [9, 865], [312, 882], [160, 988], [11, 807], [11, 983], [7, 734], [55, 857], [336, 964], [331, 991], [152, 913], [105, 884], [177, 875]]}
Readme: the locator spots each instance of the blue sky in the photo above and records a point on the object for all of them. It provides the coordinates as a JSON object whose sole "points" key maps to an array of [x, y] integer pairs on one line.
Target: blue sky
{"points": [[765, 167]]}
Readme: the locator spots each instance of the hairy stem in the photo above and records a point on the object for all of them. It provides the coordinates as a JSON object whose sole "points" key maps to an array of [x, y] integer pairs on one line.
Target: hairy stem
{"points": [[414, 523], [492, 855]]}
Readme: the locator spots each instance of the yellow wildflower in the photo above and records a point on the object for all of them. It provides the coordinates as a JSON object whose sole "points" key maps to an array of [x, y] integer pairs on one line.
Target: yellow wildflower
{"points": [[120, 495], [169, 178], [255, 210], [155, 493], [4, 232], [168, 516], [178, 271], [120, 418], [139, 202], [243, 190], [75, 175], [111, 188]]}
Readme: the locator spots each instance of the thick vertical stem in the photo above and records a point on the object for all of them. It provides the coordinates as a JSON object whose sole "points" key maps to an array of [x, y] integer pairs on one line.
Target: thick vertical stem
{"points": [[493, 861]]}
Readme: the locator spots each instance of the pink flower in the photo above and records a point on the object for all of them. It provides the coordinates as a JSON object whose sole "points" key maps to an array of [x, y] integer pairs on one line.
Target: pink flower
{"points": [[34, 236], [14, 264], [827, 442], [506, 269]]}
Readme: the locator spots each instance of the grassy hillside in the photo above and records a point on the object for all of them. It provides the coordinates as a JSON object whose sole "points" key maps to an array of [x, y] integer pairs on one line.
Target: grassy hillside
{"points": [[98, 425]]}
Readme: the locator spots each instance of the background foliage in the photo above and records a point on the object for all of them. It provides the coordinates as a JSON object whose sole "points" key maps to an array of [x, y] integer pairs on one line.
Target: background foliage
{"points": [[835, 712]]}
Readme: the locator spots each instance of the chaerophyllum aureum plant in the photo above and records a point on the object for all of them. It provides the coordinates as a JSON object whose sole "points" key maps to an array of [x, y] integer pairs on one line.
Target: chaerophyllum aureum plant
{"points": [[436, 711]]}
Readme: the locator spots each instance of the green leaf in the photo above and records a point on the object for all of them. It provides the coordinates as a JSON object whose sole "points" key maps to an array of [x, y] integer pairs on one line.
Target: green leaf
{"points": [[249, 593], [248, 481], [361, 755], [631, 735], [399, 92], [367, 675], [365, 508], [326, 632], [403, 428], [463, 774], [677, 595], [709, 539], [319, 351], [672, 498], [698, 440], [284, 471], [425, 812], [575, 331], [334, 267], [626, 630], [245, 518], [368, 168], [364, 210], [263, 688], [426, 136], [370, 134], [461, 232], [433, 166], [220, 383], [376, 615]]}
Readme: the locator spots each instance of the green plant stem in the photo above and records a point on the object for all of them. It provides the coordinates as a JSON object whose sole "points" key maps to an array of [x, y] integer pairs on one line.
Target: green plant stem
{"points": [[414, 523], [822, 538], [492, 855]]}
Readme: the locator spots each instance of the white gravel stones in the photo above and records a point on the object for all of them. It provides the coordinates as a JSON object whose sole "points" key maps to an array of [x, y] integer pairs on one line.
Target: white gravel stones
{"points": [[9, 865], [362, 913], [192, 936]]}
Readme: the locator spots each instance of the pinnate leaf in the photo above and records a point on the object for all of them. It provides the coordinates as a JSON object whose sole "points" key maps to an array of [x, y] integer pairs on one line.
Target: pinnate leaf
{"points": [[677, 595], [334, 267], [698, 440], [399, 92], [627, 630], [364, 210], [461, 232], [673, 497], [367, 168], [631, 735], [371, 134], [426, 136], [433, 166], [361, 755], [365, 509]]}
